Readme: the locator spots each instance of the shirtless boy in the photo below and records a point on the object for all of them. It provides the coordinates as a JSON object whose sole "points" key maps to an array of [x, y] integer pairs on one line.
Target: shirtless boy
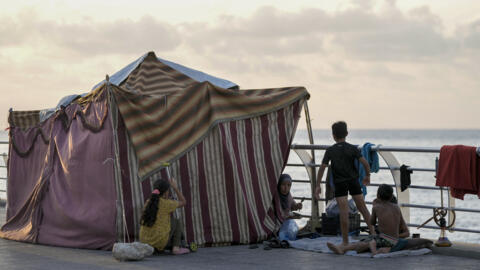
{"points": [[391, 225]]}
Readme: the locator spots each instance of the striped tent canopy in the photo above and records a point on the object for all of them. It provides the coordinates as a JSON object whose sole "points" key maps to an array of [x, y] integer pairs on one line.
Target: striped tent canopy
{"points": [[24, 119], [154, 72], [226, 149], [162, 128], [147, 74]]}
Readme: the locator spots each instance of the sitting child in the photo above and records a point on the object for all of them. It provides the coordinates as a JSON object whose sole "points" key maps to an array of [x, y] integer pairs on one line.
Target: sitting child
{"points": [[289, 228], [158, 227], [391, 226]]}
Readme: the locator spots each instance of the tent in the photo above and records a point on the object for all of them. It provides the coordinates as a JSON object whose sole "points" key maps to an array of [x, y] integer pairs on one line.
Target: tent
{"points": [[80, 177]]}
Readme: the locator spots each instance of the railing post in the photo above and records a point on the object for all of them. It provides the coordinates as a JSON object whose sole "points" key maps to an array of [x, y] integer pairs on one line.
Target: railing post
{"points": [[403, 197], [314, 221]]}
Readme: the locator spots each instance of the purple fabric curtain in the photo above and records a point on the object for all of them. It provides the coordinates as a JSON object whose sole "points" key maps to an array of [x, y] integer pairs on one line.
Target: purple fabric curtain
{"points": [[79, 208], [25, 171], [69, 198]]}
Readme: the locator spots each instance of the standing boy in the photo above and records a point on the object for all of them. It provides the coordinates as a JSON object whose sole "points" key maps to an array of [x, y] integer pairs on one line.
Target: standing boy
{"points": [[345, 177]]}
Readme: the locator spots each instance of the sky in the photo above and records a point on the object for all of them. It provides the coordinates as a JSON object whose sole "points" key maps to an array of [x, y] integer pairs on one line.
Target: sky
{"points": [[376, 64]]}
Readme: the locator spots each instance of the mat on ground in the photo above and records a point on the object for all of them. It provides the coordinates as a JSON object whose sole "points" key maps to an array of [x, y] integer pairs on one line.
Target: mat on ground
{"points": [[320, 245]]}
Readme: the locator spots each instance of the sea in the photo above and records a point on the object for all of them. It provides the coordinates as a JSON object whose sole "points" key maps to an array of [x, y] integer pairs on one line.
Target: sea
{"points": [[385, 137]]}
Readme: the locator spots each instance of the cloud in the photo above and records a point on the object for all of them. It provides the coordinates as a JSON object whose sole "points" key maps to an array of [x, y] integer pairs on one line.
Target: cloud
{"points": [[89, 37], [359, 32], [471, 35], [395, 36]]}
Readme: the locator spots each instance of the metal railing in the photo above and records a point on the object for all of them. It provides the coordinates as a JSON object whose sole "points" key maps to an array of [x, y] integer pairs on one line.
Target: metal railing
{"points": [[3, 167], [404, 204], [380, 149]]}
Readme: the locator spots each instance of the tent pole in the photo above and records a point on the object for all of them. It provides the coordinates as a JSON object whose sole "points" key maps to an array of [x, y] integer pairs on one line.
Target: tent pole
{"points": [[314, 221], [122, 230]]}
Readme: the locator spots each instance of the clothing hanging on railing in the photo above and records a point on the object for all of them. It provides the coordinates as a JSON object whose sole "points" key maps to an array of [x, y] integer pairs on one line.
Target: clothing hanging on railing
{"points": [[329, 186], [459, 169], [405, 177], [372, 159]]}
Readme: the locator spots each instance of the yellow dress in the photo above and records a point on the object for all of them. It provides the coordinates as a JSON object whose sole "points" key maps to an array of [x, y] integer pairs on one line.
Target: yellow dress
{"points": [[157, 235]]}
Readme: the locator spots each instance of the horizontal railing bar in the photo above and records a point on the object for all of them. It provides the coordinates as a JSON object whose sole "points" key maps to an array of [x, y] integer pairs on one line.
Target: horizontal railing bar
{"points": [[416, 225], [381, 168], [3, 178], [438, 228], [409, 205], [3, 142], [301, 181], [301, 198], [446, 208], [424, 187], [303, 165], [411, 186], [297, 165], [374, 148], [409, 168]]}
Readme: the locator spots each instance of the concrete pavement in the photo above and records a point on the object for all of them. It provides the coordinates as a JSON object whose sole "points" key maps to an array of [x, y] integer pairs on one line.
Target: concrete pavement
{"points": [[16, 255]]}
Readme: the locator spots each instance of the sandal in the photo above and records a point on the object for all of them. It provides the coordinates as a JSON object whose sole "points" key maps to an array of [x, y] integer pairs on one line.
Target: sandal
{"points": [[274, 243]]}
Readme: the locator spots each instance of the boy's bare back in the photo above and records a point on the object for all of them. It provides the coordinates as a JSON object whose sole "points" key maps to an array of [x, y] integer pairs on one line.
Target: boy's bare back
{"points": [[389, 218]]}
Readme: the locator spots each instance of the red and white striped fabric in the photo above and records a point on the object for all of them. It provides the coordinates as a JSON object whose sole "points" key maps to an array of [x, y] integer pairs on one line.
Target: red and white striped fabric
{"points": [[229, 179]]}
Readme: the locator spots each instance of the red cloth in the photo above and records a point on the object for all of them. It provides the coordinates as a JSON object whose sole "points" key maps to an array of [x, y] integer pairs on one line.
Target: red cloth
{"points": [[459, 169]]}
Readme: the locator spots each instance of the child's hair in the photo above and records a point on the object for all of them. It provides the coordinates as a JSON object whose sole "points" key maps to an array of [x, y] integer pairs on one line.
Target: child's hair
{"points": [[385, 192], [339, 129], [394, 200], [150, 211]]}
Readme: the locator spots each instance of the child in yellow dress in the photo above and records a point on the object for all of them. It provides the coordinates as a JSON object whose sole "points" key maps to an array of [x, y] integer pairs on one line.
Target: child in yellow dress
{"points": [[158, 227]]}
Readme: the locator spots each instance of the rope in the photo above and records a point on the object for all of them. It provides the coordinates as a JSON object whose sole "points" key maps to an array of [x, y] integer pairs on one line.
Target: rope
{"points": [[30, 148], [66, 123]]}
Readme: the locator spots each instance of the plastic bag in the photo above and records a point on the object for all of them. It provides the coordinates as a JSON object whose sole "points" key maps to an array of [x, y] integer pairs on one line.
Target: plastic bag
{"points": [[288, 231], [135, 251], [332, 208]]}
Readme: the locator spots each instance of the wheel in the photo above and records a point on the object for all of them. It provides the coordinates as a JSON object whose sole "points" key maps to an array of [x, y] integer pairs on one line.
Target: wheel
{"points": [[439, 215]]}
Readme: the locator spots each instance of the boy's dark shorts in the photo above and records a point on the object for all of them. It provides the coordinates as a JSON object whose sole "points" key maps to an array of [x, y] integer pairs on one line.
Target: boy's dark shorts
{"points": [[343, 188]]}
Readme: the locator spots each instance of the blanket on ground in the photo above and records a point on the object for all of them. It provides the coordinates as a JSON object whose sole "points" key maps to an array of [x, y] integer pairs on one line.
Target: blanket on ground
{"points": [[320, 245]]}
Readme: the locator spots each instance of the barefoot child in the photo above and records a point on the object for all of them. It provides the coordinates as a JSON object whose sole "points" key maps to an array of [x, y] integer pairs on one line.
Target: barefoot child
{"points": [[158, 227], [345, 177], [391, 225]]}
